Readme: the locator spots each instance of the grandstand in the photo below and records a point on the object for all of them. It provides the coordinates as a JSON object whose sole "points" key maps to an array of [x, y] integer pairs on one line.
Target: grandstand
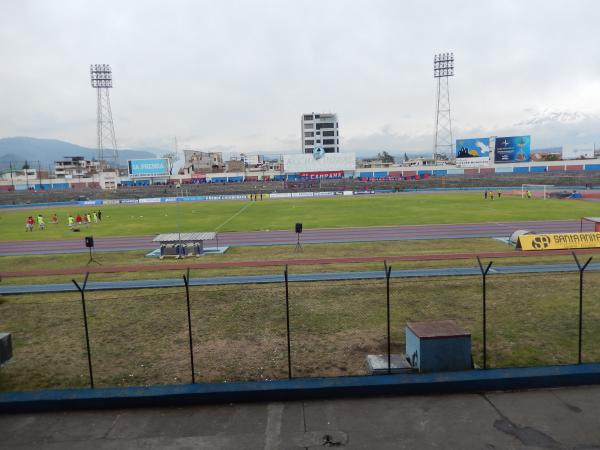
{"points": [[513, 181]]}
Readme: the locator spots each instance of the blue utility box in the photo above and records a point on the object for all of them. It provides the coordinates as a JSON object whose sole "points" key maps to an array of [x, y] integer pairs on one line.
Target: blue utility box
{"points": [[438, 346]]}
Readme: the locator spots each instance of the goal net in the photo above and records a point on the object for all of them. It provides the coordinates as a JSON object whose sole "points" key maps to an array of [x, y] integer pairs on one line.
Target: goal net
{"points": [[536, 190]]}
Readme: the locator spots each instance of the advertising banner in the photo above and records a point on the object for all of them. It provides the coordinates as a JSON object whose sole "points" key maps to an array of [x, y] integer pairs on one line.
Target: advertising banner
{"points": [[473, 148], [319, 162], [329, 175], [558, 241], [148, 167], [473, 162], [512, 149]]}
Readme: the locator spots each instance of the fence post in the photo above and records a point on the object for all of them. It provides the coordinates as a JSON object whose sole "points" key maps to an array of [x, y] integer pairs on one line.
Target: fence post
{"points": [[581, 269], [484, 274], [81, 290], [287, 319], [186, 281], [388, 271]]}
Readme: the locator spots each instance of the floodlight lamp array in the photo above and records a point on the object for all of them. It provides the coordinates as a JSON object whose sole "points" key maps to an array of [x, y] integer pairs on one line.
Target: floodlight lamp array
{"points": [[443, 65], [101, 75]]}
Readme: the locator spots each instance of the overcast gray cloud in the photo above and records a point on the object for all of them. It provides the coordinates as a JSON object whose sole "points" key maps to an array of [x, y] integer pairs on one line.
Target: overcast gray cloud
{"points": [[238, 74]]}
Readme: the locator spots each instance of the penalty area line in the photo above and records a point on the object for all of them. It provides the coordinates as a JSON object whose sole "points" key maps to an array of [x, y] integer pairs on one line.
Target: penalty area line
{"points": [[234, 216]]}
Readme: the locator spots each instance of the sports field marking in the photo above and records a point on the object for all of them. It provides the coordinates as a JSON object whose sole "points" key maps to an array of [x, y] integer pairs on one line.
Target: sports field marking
{"points": [[234, 216]]}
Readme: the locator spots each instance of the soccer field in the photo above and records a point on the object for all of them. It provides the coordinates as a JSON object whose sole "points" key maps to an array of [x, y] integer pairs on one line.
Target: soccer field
{"points": [[401, 209]]}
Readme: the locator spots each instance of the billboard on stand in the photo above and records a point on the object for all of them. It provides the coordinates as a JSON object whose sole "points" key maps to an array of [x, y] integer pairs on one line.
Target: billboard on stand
{"points": [[512, 149], [473, 148], [158, 167]]}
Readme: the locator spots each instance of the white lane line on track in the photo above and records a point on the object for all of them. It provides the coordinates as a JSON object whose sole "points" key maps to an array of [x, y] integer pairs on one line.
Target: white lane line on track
{"points": [[234, 216]]}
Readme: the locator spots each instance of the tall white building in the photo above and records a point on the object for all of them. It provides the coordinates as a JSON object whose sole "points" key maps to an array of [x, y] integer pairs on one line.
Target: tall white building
{"points": [[320, 130]]}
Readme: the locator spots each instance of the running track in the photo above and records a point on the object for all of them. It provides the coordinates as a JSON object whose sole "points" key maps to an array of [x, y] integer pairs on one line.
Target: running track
{"points": [[309, 236], [187, 264]]}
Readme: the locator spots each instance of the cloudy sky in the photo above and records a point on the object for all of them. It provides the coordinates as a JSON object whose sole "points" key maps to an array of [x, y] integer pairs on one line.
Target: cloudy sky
{"points": [[236, 75]]}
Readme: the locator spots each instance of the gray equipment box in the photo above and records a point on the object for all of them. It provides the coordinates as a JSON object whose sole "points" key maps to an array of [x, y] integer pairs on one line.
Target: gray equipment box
{"points": [[438, 346], [5, 347]]}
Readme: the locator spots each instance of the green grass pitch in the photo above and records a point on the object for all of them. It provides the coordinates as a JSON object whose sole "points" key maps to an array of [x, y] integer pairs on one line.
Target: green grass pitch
{"points": [[402, 209]]}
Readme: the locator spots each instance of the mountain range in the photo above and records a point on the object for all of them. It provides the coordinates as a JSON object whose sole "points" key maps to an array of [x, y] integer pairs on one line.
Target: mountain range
{"points": [[20, 149]]}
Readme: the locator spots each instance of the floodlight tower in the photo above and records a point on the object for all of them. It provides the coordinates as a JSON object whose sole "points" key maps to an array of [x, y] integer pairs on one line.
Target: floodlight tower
{"points": [[443, 68], [106, 141]]}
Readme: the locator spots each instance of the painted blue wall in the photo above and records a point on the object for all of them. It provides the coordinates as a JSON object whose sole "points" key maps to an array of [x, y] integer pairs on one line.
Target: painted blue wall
{"points": [[538, 169]]}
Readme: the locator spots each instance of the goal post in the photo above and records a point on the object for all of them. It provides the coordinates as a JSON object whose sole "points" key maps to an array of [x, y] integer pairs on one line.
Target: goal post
{"points": [[536, 190]]}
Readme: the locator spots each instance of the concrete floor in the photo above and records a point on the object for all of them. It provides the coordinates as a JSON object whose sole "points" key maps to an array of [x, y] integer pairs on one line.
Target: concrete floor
{"points": [[552, 419]]}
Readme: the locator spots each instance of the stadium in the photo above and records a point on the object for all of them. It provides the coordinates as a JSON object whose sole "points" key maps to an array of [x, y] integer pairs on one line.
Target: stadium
{"points": [[318, 274], [242, 270], [316, 265]]}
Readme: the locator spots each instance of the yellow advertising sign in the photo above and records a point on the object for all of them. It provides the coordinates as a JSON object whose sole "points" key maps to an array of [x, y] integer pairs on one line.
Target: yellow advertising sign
{"points": [[558, 241]]}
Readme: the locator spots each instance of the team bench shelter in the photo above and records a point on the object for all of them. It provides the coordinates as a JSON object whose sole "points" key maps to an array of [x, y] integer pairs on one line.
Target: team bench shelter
{"points": [[180, 245]]}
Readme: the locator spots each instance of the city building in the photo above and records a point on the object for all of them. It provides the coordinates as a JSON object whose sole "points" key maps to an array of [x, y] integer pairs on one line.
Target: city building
{"points": [[234, 165], [22, 175], [76, 167], [202, 162], [374, 164], [251, 160], [320, 131]]}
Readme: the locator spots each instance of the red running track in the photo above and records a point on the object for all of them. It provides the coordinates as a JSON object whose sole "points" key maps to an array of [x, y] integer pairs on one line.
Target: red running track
{"points": [[309, 236], [190, 264]]}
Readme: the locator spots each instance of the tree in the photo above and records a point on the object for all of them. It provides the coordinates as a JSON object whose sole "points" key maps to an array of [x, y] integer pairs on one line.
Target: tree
{"points": [[26, 166], [172, 157], [385, 157]]}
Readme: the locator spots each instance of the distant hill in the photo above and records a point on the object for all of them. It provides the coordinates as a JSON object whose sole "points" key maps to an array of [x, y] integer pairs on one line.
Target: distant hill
{"points": [[46, 151]]}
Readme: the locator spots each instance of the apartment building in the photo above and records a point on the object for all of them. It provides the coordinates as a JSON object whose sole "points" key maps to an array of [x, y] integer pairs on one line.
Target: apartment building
{"points": [[202, 162], [76, 167], [320, 131]]}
